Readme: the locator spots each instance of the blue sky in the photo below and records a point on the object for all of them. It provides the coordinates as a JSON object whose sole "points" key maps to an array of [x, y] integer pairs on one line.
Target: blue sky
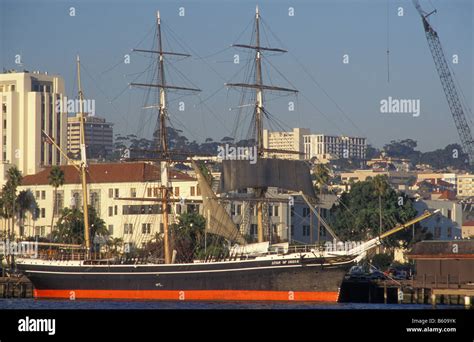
{"points": [[317, 36]]}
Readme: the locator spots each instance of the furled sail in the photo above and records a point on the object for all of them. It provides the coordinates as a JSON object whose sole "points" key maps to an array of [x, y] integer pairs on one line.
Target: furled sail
{"points": [[285, 174], [219, 221]]}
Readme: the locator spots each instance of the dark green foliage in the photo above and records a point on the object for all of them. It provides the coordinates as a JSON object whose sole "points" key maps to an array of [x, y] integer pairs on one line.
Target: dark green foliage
{"points": [[70, 226], [382, 261], [360, 221], [189, 238]]}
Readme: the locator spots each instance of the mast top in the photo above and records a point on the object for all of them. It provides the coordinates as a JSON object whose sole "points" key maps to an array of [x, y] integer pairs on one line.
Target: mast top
{"points": [[257, 13], [158, 16], [77, 58]]}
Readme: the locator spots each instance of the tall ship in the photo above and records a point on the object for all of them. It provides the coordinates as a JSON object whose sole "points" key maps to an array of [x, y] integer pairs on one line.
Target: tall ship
{"points": [[260, 271]]}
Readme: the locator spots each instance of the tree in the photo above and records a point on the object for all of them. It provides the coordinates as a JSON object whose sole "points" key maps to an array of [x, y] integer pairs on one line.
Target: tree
{"points": [[25, 202], [190, 240], [372, 152], [189, 236], [114, 243], [381, 187], [55, 179], [382, 261], [357, 215], [403, 149], [14, 179], [70, 227], [322, 177]]}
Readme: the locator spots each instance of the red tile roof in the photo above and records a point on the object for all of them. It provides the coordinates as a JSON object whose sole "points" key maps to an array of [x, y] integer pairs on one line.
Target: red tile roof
{"points": [[468, 223], [108, 173]]}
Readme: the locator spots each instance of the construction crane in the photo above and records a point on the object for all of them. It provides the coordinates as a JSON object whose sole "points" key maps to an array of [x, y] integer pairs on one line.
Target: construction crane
{"points": [[456, 106]]}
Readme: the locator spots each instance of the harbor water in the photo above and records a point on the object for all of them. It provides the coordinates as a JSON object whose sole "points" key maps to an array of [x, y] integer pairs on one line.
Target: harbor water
{"points": [[32, 304]]}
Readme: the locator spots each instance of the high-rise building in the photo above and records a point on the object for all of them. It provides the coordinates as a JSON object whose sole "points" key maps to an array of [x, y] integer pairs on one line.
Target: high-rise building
{"points": [[98, 134], [285, 141], [28, 107], [328, 147]]}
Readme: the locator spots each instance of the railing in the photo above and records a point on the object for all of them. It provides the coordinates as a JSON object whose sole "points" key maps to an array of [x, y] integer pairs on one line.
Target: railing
{"points": [[439, 281]]}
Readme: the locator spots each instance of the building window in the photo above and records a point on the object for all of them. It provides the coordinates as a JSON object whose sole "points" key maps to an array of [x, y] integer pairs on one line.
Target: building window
{"points": [[305, 230], [178, 209], [111, 229], [43, 212], [192, 208], [270, 210], [239, 209], [117, 193], [146, 228], [305, 212], [148, 192], [253, 229], [43, 194], [449, 214], [133, 192], [116, 210], [324, 212], [37, 195], [176, 191], [276, 210], [193, 191], [111, 211], [141, 209], [450, 232], [128, 228], [111, 193]]}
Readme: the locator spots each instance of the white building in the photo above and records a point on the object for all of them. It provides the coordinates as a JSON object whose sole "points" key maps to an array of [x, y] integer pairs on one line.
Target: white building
{"points": [[328, 147], [446, 225], [465, 185], [28, 107], [98, 133], [285, 141], [281, 219], [123, 194]]}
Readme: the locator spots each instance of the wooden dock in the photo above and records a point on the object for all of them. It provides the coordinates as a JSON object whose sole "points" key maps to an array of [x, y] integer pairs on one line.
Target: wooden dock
{"points": [[406, 292], [15, 287]]}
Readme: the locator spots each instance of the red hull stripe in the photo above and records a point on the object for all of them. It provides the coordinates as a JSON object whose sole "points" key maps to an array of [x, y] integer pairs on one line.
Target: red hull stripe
{"points": [[191, 295]]}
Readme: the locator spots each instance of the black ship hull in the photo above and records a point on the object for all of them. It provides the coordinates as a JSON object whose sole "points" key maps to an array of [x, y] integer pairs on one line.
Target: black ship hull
{"points": [[268, 280]]}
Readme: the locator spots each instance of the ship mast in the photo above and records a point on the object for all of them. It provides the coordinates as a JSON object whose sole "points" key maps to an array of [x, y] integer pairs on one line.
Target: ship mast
{"points": [[163, 137], [259, 109], [83, 164]]}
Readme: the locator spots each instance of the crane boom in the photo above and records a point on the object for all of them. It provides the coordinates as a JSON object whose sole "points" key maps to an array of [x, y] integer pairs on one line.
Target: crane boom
{"points": [[449, 87]]}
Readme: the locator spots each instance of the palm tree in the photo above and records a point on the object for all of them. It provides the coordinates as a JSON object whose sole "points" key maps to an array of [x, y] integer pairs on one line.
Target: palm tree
{"points": [[25, 202], [55, 179], [14, 178], [114, 243], [381, 187], [322, 176]]}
